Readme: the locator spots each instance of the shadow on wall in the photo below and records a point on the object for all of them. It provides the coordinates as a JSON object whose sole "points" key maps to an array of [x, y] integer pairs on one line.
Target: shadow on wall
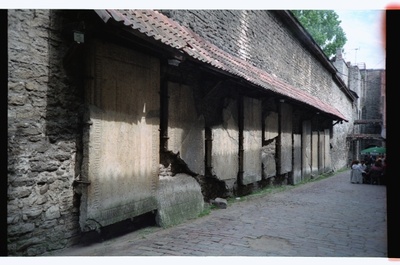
{"points": [[64, 108]]}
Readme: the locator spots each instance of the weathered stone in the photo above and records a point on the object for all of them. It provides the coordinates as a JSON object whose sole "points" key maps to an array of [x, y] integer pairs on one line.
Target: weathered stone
{"points": [[36, 250], [42, 147], [33, 212], [43, 189], [57, 244], [20, 192], [33, 86], [49, 224], [38, 102], [35, 139], [66, 146], [17, 100], [225, 145], [21, 229], [268, 159], [185, 128], [30, 242], [47, 101], [52, 213], [284, 152], [32, 199], [179, 198], [252, 142], [44, 166], [41, 200], [45, 177], [62, 156], [19, 182], [14, 86], [13, 219], [220, 203]]}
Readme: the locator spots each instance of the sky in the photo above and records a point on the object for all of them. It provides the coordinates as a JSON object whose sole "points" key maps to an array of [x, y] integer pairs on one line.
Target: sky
{"points": [[363, 30]]}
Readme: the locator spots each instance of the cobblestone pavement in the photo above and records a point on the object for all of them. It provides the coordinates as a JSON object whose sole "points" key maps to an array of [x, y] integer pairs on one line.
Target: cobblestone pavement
{"points": [[327, 218]]}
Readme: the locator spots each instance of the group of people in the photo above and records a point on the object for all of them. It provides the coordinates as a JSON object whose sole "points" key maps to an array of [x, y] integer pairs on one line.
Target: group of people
{"points": [[371, 170]]}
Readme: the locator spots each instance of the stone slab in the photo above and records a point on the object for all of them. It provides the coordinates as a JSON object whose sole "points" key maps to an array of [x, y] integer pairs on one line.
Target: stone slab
{"points": [[306, 149], [179, 198], [185, 127], [121, 147], [285, 155], [225, 145], [252, 141]]}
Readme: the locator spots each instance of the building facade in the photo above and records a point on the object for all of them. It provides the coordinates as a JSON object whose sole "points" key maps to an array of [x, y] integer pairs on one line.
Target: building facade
{"points": [[369, 88], [117, 114]]}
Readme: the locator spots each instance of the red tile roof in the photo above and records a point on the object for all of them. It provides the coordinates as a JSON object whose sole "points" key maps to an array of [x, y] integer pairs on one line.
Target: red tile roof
{"points": [[163, 29]]}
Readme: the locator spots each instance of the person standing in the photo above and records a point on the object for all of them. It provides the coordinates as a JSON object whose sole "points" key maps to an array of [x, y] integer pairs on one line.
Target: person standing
{"points": [[375, 173], [356, 172]]}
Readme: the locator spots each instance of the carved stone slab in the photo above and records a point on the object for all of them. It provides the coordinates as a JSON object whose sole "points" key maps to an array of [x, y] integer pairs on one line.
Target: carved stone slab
{"points": [[121, 146], [252, 140]]}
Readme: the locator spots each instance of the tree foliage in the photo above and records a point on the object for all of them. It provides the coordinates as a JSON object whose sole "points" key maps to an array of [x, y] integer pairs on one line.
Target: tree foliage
{"points": [[324, 27]]}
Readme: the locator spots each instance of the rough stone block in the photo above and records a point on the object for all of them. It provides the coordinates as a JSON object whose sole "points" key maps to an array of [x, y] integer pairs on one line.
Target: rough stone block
{"points": [[179, 199], [21, 229], [220, 203], [52, 213]]}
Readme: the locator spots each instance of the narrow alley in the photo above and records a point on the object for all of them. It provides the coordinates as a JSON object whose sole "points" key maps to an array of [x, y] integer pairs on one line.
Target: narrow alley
{"points": [[326, 218]]}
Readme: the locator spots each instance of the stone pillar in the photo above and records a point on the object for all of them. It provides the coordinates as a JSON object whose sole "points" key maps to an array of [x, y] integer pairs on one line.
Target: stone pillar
{"points": [[225, 146], [121, 146], [185, 127], [285, 155], [321, 152], [327, 156], [314, 153], [269, 149], [306, 149], [297, 151], [252, 142]]}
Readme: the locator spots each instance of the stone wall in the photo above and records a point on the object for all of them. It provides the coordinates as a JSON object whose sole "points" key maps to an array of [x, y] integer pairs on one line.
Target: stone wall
{"points": [[373, 95], [225, 146], [259, 36], [185, 127], [45, 115], [121, 145], [44, 106], [252, 140]]}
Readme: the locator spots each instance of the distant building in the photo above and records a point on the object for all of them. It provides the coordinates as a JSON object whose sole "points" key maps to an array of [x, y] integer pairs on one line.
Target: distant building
{"points": [[370, 107]]}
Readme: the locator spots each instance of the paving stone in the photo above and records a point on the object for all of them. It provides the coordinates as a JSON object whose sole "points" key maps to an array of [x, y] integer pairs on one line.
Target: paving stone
{"points": [[327, 229]]}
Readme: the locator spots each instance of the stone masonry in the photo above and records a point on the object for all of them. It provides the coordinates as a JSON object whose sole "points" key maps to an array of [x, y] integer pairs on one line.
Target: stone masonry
{"points": [[46, 109], [260, 37], [43, 136]]}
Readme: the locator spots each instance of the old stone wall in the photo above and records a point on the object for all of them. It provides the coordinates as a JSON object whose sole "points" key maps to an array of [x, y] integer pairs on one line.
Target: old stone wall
{"points": [[43, 135], [225, 146], [185, 127], [373, 95], [260, 37], [121, 145], [355, 84], [45, 115], [252, 140]]}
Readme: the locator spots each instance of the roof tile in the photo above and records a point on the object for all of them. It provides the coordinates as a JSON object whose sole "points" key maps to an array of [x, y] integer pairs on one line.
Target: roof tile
{"points": [[169, 32]]}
